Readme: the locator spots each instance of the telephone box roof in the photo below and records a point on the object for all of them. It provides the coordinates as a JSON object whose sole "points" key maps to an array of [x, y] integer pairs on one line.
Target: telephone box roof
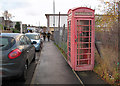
{"points": [[73, 9]]}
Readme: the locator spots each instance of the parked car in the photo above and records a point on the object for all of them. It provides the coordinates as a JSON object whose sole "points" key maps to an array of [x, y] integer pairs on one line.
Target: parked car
{"points": [[16, 54], [35, 39], [41, 37]]}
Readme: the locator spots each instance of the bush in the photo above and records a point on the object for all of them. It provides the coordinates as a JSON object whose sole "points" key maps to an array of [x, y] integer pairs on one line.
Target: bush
{"points": [[1, 26], [15, 31]]}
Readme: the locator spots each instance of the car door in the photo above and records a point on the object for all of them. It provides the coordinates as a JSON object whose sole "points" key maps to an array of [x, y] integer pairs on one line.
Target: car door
{"points": [[31, 48], [25, 48]]}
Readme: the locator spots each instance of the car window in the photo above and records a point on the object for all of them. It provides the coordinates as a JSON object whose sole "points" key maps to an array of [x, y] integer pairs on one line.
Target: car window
{"points": [[23, 40], [6, 43], [28, 40], [33, 36]]}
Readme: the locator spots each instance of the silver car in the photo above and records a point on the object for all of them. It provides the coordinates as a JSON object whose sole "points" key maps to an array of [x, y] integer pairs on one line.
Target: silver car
{"points": [[16, 54], [35, 39]]}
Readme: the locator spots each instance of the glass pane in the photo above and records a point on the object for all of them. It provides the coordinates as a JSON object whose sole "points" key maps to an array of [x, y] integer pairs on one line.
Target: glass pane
{"points": [[82, 51], [85, 45], [84, 22], [85, 28], [6, 43], [90, 22], [83, 62], [32, 36]]}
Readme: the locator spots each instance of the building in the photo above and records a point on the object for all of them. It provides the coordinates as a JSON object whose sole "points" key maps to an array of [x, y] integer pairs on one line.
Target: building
{"points": [[14, 23], [24, 27], [5, 25], [56, 20], [8, 24], [2, 23]]}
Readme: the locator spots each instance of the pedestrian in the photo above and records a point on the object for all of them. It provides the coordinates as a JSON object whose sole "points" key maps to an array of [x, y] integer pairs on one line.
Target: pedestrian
{"points": [[30, 31], [44, 35], [48, 35]]}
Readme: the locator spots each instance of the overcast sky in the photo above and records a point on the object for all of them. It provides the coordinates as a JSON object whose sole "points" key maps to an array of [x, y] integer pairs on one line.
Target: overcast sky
{"points": [[33, 11]]}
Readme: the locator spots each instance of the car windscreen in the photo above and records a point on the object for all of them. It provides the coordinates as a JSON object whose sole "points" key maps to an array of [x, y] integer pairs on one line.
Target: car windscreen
{"points": [[6, 42], [33, 36]]}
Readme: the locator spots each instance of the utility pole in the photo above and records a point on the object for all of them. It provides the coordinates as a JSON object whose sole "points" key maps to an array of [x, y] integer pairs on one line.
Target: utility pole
{"points": [[59, 21], [54, 19], [21, 27], [39, 24], [54, 13]]}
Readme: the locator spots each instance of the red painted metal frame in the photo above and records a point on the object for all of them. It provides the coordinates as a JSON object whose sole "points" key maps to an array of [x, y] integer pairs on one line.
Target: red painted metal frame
{"points": [[73, 53]]}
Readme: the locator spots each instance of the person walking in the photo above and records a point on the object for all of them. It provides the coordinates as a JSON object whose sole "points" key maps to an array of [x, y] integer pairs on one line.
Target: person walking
{"points": [[44, 35], [48, 35]]}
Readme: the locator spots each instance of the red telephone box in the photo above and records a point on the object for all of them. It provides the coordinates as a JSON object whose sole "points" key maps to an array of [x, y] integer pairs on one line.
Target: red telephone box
{"points": [[81, 38]]}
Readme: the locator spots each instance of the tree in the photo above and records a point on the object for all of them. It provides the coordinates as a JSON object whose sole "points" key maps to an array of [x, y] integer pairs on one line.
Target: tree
{"points": [[110, 14], [7, 15], [108, 35], [1, 26], [17, 26]]}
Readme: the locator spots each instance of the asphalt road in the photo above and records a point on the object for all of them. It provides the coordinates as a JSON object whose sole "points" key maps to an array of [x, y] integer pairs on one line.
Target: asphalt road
{"points": [[31, 70]]}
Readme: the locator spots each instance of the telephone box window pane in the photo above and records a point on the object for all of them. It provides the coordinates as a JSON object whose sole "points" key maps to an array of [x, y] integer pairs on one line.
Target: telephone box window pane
{"points": [[69, 49], [77, 22], [69, 39], [84, 40], [85, 28], [85, 34], [82, 51], [84, 22], [90, 22], [69, 54], [85, 45], [69, 44], [83, 62], [90, 33]]}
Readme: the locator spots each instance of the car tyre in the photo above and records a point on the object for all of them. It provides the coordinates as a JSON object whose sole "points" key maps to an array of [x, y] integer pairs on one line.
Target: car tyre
{"points": [[24, 74], [34, 57]]}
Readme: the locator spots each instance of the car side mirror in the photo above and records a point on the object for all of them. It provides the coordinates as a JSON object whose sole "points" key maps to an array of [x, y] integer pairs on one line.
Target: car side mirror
{"points": [[34, 42]]}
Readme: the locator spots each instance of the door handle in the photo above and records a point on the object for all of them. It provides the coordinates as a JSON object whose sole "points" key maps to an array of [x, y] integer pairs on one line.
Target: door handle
{"points": [[75, 40]]}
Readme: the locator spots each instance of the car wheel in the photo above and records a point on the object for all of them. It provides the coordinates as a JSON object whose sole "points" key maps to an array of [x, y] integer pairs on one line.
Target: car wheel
{"points": [[24, 74], [34, 57], [41, 45]]}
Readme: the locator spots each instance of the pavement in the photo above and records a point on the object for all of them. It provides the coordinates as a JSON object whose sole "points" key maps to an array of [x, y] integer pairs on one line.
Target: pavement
{"points": [[91, 78], [52, 68]]}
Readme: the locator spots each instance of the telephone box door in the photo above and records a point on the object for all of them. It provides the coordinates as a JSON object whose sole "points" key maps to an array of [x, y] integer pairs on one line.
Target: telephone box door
{"points": [[83, 43]]}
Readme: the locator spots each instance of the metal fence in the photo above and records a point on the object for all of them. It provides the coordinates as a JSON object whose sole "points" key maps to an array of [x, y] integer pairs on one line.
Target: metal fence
{"points": [[108, 38], [60, 38]]}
